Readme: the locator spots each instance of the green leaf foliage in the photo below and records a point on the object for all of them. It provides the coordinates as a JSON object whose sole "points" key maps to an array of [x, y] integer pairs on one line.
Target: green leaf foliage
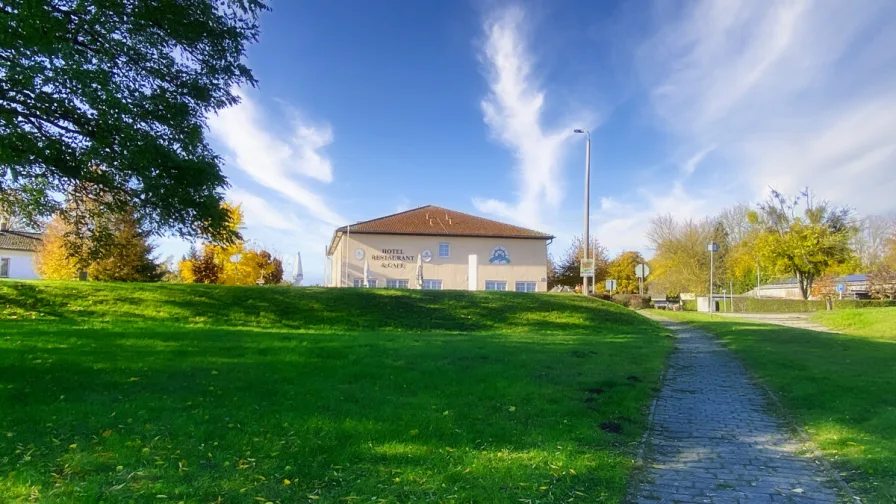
{"points": [[807, 245], [114, 94]]}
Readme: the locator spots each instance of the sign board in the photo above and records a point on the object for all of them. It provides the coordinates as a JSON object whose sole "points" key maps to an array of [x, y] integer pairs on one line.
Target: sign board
{"points": [[841, 288], [712, 247], [611, 285], [587, 268], [642, 270]]}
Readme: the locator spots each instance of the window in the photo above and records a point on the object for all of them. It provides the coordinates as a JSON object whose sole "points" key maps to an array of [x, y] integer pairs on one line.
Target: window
{"points": [[396, 284], [371, 282], [495, 285], [358, 282], [4, 267], [525, 286], [444, 249], [432, 284]]}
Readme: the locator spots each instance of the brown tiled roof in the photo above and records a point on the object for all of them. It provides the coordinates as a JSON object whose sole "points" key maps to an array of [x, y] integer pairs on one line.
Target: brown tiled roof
{"points": [[433, 220], [19, 240]]}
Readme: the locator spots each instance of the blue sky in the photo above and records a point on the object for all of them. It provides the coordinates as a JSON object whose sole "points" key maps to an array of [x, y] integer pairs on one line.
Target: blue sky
{"points": [[368, 108]]}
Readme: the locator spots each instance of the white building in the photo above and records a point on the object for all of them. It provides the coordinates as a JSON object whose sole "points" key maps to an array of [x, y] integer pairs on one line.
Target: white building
{"points": [[452, 250], [17, 249]]}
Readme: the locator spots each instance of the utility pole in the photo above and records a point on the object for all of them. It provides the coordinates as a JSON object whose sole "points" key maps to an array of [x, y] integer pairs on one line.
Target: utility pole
{"points": [[587, 199], [713, 248]]}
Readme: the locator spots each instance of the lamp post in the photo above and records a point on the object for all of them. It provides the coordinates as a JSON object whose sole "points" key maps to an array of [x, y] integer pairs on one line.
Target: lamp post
{"points": [[713, 247], [587, 199]]}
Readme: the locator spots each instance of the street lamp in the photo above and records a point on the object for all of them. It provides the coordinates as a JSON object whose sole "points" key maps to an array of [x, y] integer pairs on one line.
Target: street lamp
{"points": [[712, 247], [587, 198]]}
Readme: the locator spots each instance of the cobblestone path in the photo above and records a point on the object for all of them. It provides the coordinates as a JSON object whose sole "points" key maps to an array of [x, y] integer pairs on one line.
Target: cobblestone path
{"points": [[711, 440]]}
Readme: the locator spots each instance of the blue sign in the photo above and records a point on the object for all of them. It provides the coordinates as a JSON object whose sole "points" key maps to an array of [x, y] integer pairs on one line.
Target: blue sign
{"points": [[841, 288], [499, 256]]}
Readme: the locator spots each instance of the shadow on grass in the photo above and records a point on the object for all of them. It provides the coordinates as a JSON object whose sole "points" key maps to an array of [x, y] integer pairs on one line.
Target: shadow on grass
{"points": [[840, 388], [129, 412], [307, 308]]}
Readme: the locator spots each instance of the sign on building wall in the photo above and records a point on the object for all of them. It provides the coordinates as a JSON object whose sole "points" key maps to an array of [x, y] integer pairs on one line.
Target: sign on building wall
{"points": [[393, 258], [499, 256]]}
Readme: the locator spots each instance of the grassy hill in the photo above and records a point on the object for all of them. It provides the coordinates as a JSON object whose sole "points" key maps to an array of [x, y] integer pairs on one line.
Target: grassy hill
{"points": [[875, 323], [182, 393]]}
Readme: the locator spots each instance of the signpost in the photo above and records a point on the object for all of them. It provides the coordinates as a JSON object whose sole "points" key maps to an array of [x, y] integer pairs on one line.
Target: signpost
{"points": [[587, 268], [712, 247], [641, 271], [611, 286], [841, 289]]}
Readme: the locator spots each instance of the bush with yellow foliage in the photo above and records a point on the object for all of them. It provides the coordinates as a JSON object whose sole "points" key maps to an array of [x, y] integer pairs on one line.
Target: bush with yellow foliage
{"points": [[230, 263]]}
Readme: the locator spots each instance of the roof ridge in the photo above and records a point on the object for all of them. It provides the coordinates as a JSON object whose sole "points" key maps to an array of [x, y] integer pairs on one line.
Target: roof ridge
{"points": [[387, 216], [490, 220]]}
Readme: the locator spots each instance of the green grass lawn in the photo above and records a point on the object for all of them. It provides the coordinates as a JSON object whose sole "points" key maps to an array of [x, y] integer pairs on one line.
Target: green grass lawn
{"points": [[873, 322], [840, 388], [180, 393]]}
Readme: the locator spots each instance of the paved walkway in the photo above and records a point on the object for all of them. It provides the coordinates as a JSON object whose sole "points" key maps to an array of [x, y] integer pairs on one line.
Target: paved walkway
{"points": [[797, 320], [712, 441]]}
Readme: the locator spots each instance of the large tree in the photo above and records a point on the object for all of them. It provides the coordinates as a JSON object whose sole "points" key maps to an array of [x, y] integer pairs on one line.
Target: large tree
{"points": [[680, 262], [114, 94], [128, 252], [802, 237], [622, 269], [569, 268], [870, 243]]}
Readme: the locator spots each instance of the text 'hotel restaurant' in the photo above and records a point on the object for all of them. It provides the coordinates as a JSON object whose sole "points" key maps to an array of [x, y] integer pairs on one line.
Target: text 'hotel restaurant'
{"points": [[434, 248]]}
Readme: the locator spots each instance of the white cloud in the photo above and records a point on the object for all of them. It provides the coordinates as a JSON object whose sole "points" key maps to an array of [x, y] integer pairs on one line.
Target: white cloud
{"points": [[787, 94], [786, 89], [690, 165], [621, 225], [513, 110], [259, 213], [276, 163]]}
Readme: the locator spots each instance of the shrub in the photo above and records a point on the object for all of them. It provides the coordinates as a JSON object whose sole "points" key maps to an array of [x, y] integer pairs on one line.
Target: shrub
{"points": [[622, 299], [850, 304], [689, 305], [639, 302]]}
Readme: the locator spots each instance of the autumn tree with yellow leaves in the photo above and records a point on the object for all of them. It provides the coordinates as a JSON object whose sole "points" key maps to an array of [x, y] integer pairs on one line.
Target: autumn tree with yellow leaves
{"points": [[52, 260], [231, 263], [114, 249]]}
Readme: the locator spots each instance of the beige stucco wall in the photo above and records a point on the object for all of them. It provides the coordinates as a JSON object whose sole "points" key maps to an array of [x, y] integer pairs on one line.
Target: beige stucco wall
{"points": [[528, 260]]}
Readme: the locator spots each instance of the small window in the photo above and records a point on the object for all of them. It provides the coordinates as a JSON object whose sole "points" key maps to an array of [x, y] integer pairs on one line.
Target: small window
{"points": [[358, 282], [396, 284], [4, 267], [525, 286], [371, 283], [432, 284], [495, 285], [444, 249]]}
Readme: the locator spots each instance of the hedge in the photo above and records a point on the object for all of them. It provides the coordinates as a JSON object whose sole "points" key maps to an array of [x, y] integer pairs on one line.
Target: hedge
{"points": [[753, 305], [847, 304]]}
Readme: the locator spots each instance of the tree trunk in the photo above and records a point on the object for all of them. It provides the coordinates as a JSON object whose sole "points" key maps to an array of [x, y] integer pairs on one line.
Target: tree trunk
{"points": [[804, 287]]}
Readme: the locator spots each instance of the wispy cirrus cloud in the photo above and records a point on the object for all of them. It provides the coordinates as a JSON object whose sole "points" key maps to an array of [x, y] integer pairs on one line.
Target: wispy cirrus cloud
{"points": [[258, 212], [514, 112], [799, 93], [787, 95], [279, 162]]}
